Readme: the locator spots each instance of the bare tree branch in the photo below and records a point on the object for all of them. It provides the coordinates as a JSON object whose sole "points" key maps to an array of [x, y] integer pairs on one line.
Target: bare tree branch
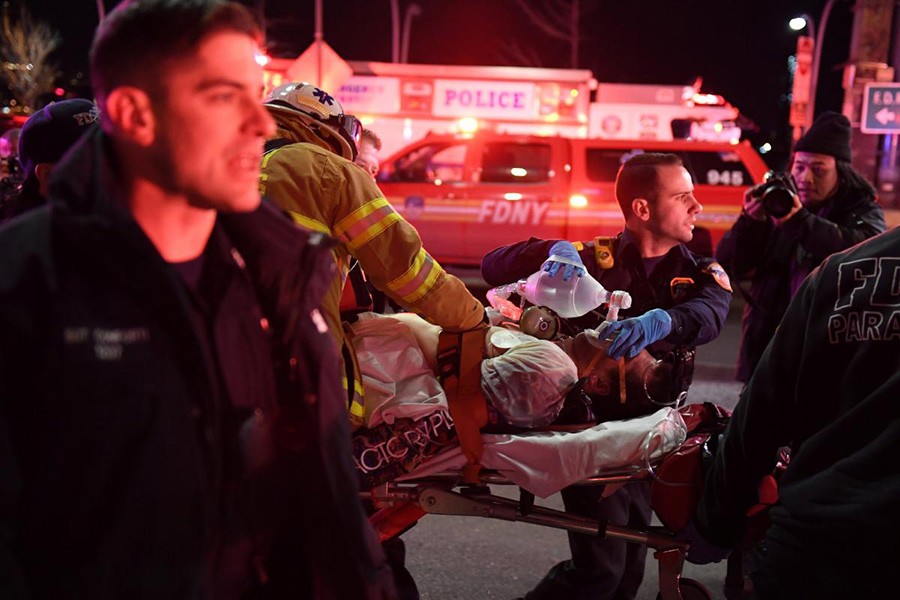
{"points": [[542, 21], [25, 51], [525, 56], [560, 21]]}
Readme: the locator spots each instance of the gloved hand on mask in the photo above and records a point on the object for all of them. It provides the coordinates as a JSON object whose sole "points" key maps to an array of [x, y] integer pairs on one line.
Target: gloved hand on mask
{"points": [[635, 334], [566, 250]]}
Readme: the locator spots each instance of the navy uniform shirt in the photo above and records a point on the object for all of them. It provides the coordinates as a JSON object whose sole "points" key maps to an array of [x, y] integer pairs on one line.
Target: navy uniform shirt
{"points": [[693, 290]]}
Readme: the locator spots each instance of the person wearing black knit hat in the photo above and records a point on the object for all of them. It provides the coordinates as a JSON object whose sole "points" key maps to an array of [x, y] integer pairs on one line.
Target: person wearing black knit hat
{"points": [[44, 139], [834, 207]]}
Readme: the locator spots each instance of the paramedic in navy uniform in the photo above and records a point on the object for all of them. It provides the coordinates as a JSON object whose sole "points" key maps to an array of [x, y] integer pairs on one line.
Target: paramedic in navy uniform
{"points": [[679, 301], [829, 385]]}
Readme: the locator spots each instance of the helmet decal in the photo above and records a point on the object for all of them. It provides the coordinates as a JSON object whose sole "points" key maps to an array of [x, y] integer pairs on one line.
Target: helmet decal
{"points": [[323, 96]]}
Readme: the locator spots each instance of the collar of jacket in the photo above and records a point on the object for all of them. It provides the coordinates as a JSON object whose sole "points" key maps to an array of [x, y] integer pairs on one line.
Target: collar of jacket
{"points": [[290, 267], [627, 246], [291, 127], [845, 198]]}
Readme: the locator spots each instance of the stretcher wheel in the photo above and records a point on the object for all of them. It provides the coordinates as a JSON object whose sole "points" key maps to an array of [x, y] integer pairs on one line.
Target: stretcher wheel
{"points": [[691, 590]]}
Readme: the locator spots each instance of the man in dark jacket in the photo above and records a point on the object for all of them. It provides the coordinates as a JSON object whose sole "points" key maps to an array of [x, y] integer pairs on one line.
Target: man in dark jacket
{"points": [[833, 209], [45, 138], [828, 385], [679, 301], [171, 418]]}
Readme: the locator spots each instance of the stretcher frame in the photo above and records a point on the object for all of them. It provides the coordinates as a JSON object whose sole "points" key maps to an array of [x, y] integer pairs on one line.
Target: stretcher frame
{"points": [[402, 503]]}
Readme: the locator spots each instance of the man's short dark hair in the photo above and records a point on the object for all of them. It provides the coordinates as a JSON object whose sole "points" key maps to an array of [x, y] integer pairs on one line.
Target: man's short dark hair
{"points": [[139, 37], [637, 178]]}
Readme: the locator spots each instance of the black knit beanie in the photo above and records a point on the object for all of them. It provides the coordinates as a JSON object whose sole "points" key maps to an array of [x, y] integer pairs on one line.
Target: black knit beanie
{"points": [[829, 134]]}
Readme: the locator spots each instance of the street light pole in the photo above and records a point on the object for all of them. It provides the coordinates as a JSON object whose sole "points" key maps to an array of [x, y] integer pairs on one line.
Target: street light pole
{"points": [[802, 87], [318, 37], [817, 59], [818, 37], [395, 31], [413, 10]]}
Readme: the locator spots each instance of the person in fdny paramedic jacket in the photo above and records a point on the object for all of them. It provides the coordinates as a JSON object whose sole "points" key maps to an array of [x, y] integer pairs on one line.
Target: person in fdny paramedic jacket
{"points": [[828, 385], [172, 423], [679, 301]]}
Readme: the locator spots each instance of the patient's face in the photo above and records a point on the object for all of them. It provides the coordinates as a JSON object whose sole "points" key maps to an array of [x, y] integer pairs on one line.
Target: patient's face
{"points": [[645, 377]]}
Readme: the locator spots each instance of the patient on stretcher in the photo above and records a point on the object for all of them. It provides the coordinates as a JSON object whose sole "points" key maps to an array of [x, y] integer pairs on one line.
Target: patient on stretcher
{"points": [[525, 382]]}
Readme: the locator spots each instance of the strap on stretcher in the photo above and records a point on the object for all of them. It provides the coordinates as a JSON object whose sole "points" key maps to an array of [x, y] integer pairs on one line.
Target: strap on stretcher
{"points": [[458, 368]]}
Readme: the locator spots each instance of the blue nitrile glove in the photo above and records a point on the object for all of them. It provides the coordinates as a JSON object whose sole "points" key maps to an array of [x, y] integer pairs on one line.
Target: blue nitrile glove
{"points": [[566, 250], [636, 334], [701, 552]]}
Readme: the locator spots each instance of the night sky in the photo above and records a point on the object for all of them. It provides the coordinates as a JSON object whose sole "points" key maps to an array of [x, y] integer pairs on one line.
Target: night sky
{"points": [[739, 47]]}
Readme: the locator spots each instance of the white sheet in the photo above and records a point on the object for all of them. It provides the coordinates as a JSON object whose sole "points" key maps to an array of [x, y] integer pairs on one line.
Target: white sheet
{"points": [[396, 377], [545, 462], [399, 383]]}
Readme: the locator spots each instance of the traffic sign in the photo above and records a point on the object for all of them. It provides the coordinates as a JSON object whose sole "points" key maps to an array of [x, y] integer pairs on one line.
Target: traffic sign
{"points": [[322, 65], [881, 108]]}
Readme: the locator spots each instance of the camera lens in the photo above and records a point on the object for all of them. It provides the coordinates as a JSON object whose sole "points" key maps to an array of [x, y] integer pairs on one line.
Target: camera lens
{"points": [[777, 201]]}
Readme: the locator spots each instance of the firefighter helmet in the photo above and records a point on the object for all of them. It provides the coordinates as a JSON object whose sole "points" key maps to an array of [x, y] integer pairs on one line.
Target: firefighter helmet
{"points": [[324, 114]]}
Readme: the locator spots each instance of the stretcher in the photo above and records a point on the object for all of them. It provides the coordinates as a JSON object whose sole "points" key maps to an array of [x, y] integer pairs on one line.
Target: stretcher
{"points": [[673, 470]]}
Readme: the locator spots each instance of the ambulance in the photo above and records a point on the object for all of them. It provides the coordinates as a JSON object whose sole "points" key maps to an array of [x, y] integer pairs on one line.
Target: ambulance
{"points": [[404, 102], [467, 194], [482, 156]]}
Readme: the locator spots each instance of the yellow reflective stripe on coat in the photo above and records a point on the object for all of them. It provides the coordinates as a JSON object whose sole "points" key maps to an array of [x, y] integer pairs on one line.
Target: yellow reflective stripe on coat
{"points": [[357, 408], [365, 223], [418, 279], [264, 177], [305, 221]]}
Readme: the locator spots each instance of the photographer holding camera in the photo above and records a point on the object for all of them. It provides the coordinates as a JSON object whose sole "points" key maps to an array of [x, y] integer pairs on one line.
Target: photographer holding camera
{"points": [[791, 223]]}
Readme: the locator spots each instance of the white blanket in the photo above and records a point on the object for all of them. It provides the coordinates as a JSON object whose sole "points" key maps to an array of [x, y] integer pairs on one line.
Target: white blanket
{"points": [[399, 384], [545, 462]]}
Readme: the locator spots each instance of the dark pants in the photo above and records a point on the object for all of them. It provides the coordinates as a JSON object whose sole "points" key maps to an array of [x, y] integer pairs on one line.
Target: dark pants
{"points": [[600, 568], [395, 550]]}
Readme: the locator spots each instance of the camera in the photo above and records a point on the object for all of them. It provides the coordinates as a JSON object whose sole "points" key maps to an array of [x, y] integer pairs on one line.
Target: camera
{"points": [[777, 194]]}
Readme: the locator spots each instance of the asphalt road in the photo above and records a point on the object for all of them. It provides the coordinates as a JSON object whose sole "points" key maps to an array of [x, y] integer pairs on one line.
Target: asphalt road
{"points": [[473, 558]]}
